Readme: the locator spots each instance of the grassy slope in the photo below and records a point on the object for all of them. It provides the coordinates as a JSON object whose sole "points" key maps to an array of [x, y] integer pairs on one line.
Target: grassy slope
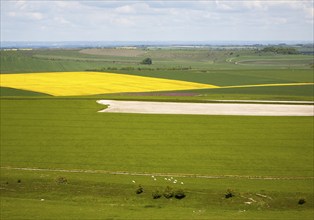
{"points": [[72, 135], [294, 93], [244, 77], [304, 92], [217, 73], [25, 62], [72, 60], [4, 91], [232, 77], [98, 196], [275, 60]]}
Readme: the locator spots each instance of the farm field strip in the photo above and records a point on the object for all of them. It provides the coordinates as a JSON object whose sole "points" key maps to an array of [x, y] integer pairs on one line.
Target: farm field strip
{"points": [[267, 85], [206, 108], [265, 101], [93, 83], [182, 175], [300, 61], [89, 83]]}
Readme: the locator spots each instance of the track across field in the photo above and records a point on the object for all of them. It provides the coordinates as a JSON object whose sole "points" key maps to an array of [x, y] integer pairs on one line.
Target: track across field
{"points": [[182, 175]]}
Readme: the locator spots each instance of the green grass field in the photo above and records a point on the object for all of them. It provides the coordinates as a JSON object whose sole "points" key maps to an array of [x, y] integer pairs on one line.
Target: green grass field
{"points": [[266, 162], [71, 135], [154, 138], [196, 59]]}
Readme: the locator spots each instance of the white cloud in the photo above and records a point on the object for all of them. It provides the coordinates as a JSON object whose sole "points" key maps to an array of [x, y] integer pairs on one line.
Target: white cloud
{"points": [[21, 4], [123, 22], [35, 15], [25, 16], [61, 20], [157, 20], [126, 9]]}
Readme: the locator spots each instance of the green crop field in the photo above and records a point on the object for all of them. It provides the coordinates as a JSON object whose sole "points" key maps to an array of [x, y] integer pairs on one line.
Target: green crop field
{"points": [[71, 135], [62, 159]]}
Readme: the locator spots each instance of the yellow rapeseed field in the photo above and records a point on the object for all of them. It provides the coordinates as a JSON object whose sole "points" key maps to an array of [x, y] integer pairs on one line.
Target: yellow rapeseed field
{"points": [[91, 83]]}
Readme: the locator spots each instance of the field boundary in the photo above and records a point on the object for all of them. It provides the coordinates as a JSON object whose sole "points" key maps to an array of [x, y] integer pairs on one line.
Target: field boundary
{"points": [[182, 175]]}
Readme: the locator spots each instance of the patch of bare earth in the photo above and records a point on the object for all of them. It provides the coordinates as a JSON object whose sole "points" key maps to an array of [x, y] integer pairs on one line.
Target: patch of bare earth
{"points": [[144, 107], [119, 52]]}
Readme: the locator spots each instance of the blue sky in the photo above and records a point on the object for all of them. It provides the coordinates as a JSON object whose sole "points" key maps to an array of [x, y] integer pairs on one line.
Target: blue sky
{"points": [[220, 20]]}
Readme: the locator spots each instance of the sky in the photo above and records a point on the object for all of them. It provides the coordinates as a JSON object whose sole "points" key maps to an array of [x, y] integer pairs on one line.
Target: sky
{"points": [[214, 20]]}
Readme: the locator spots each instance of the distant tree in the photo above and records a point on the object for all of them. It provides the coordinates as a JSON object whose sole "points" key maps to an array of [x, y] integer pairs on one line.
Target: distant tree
{"points": [[280, 50], [147, 61]]}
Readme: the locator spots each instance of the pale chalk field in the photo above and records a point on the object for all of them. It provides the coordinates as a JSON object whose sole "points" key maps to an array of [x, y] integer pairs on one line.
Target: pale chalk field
{"points": [[207, 108]]}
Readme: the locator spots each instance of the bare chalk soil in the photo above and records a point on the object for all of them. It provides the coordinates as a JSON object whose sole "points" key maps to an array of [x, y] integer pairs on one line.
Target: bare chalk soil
{"points": [[143, 107]]}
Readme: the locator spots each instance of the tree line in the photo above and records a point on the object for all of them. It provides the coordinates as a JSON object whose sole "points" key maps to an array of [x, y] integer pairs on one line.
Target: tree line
{"points": [[280, 50]]}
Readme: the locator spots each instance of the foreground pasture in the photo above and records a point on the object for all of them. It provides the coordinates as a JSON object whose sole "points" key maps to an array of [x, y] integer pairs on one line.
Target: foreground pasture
{"points": [[69, 134], [99, 196]]}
